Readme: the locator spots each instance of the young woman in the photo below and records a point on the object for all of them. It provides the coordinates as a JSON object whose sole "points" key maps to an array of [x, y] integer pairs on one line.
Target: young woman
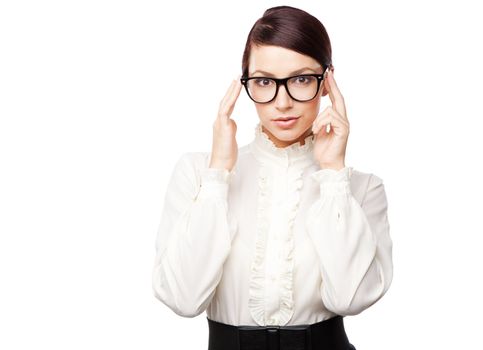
{"points": [[277, 240]]}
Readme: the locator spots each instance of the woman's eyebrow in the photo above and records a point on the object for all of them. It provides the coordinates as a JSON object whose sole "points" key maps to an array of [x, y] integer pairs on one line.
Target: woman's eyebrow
{"points": [[295, 72]]}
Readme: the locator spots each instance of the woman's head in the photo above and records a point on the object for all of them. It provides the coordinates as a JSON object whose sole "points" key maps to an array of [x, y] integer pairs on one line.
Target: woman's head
{"points": [[285, 42]]}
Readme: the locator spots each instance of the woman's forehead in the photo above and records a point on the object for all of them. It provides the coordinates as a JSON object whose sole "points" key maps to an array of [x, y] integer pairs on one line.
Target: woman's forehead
{"points": [[276, 60]]}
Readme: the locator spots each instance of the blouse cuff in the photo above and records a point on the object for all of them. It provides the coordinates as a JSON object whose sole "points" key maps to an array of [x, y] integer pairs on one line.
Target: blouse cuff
{"points": [[215, 182], [333, 182]]}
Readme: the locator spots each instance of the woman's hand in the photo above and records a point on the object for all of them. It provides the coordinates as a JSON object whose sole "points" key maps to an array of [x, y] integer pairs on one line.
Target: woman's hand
{"points": [[329, 148], [224, 151]]}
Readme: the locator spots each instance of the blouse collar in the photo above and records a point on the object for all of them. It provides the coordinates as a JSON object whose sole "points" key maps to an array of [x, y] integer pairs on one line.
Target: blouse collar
{"points": [[293, 155]]}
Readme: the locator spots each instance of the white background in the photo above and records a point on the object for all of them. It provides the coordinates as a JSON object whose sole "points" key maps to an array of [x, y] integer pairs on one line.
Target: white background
{"points": [[98, 99]]}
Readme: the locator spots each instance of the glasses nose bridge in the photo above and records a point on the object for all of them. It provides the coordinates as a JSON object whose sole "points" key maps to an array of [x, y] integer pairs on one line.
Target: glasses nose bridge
{"points": [[283, 82]]}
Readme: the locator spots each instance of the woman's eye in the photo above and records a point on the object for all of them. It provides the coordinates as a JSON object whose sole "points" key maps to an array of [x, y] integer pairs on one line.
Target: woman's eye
{"points": [[263, 82], [301, 80]]}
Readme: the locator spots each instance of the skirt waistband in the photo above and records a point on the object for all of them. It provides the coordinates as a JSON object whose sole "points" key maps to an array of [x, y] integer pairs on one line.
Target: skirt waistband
{"points": [[328, 334]]}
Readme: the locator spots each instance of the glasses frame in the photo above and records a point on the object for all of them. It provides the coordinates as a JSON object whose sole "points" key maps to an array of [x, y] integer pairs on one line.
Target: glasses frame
{"points": [[283, 81]]}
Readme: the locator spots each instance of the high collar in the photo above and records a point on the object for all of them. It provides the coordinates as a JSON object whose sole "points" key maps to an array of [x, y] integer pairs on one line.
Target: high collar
{"points": [[293, 155]]}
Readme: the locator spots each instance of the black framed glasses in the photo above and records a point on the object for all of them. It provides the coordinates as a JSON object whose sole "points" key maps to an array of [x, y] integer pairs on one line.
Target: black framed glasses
{"points": [[301, 88]]}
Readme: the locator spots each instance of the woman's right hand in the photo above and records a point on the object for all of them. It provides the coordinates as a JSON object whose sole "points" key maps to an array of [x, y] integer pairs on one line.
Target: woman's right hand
{"points": [[224, 151]]}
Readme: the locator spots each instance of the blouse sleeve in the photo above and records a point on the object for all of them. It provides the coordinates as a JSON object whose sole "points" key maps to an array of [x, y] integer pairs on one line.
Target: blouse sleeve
{"points": [[352, 242], [193, 239]]}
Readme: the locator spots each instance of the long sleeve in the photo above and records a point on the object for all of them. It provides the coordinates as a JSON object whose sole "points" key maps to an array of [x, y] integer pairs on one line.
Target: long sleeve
{"points": [[193, 239], [352, 242]]}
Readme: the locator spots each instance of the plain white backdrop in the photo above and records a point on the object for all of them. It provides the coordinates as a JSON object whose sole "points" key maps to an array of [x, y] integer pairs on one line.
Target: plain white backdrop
{"points": [[98, 99]]}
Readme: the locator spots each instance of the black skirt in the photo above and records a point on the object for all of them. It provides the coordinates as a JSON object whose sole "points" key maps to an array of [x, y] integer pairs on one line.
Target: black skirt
{"points": [[324, 335]]}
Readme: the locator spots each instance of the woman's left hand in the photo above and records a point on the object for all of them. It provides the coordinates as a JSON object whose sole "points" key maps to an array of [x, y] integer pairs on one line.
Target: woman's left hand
{"points": [[329, 148]]}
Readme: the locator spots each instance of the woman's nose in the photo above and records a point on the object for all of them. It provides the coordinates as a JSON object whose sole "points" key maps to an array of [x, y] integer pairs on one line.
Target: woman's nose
{"points": [[283, 99]]}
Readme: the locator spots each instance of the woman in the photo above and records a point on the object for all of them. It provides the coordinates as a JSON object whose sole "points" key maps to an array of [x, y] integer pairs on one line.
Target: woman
{"points": [[279, 239]]}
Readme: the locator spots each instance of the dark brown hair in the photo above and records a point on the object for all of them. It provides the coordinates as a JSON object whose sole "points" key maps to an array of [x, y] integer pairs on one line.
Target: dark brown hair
{"points": [[291, 28]]}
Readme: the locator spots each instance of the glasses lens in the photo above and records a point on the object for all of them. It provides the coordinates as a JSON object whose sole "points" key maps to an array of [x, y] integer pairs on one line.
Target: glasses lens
{"points": [[302, 88], [262, 89]]}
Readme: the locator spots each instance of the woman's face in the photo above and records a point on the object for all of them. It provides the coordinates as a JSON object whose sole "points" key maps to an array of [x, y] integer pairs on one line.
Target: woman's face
{"points": [[281, 63]]}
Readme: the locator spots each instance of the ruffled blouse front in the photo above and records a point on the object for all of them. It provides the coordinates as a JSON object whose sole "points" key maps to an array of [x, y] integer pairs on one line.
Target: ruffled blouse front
{"points": [[275, 241]]}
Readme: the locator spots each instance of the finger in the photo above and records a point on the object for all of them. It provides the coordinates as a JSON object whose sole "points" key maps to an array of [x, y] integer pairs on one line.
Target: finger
{"points": [[233, 97], [335, 115], [335, 95], [329, 116], [329, 111], [228, 93], [222, 110], [325, 123], [229, 103]]}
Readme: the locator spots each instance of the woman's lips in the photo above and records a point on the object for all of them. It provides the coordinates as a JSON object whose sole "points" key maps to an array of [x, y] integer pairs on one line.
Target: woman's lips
{"points": [[286, 124]]}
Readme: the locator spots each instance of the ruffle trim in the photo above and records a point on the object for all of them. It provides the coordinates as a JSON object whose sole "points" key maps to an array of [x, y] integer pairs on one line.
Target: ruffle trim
{"points": [[256, 302]]}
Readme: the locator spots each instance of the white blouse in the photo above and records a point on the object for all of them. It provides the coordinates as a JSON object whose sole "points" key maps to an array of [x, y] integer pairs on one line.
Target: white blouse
{"points": [[276, 241]]}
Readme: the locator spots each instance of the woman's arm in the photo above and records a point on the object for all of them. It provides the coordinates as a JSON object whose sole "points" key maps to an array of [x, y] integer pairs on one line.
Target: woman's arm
{"points": [[193, 238], [352, 242]]}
